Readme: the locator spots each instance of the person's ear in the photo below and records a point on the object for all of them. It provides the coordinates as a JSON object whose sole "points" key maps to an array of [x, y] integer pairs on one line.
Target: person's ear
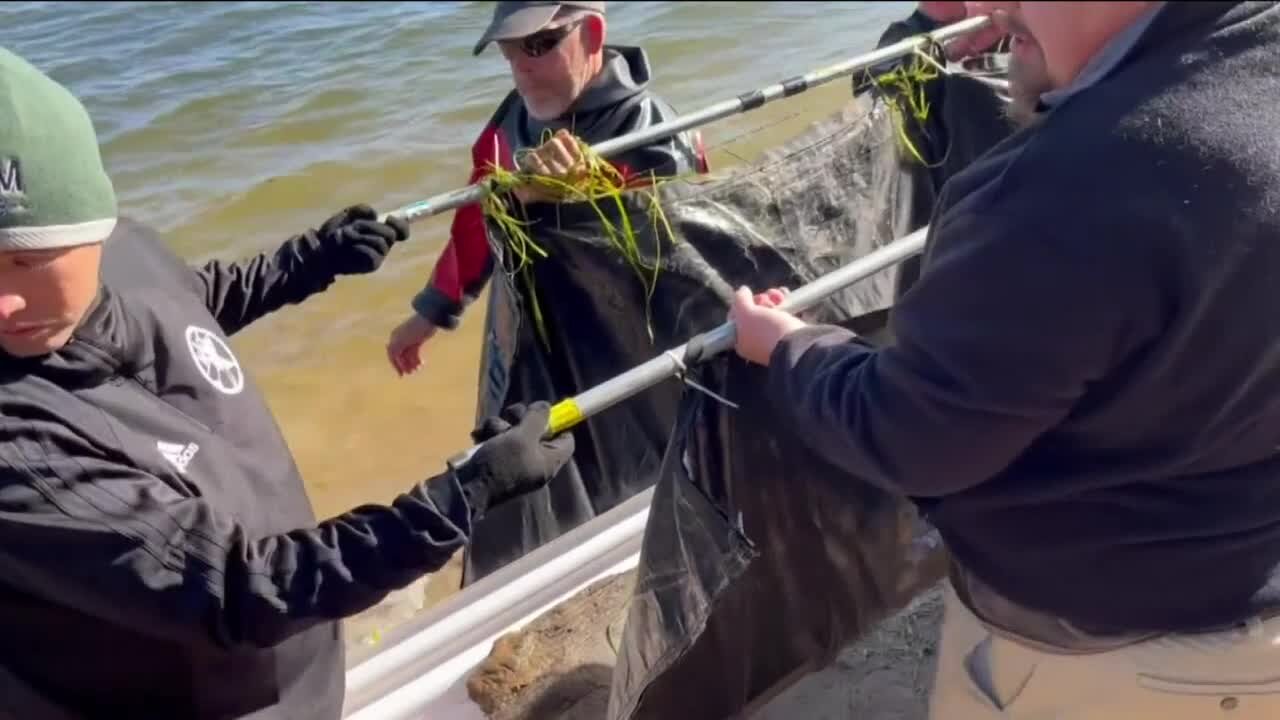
{"points": [[594, 33]]}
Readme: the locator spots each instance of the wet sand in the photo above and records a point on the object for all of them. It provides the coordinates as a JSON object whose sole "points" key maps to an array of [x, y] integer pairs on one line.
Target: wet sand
{"points": [[559, 667]]}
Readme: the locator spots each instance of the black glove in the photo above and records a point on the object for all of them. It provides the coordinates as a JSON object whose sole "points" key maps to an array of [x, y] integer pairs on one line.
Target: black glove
{"points": [[354, 242], [513, 458]]}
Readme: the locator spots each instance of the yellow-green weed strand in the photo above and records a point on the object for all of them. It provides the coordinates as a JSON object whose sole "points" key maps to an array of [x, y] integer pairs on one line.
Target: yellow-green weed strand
{"points": [[597, 183], [903, 88]]}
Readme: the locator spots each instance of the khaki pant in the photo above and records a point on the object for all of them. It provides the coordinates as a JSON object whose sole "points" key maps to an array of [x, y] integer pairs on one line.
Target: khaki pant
{"points": [[1231, 675]]}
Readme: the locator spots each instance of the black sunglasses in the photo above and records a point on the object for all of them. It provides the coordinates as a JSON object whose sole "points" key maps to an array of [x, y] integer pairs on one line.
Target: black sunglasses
{"points": [[544, 41]]}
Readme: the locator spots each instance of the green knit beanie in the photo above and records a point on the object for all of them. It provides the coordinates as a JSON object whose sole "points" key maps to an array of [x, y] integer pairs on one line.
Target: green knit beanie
{"points": [[54, 191]]}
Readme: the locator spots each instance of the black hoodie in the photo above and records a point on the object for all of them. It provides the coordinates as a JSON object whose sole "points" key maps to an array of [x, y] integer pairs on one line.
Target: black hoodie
{"points": [[617, 102]]}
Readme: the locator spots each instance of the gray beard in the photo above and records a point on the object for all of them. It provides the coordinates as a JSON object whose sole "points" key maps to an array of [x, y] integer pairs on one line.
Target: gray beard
{"points": [[1026, 84], [1024, 114]]}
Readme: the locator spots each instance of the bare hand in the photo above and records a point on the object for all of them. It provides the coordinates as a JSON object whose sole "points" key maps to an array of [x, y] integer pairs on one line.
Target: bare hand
{"points": [[943, 12], [976, 43], [759, 325], [772, 298], [404, 348], [560, 157]]}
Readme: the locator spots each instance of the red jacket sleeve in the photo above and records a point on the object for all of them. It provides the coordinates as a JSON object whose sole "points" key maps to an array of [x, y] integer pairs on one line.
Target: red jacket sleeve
{"points": [[466, 263]]}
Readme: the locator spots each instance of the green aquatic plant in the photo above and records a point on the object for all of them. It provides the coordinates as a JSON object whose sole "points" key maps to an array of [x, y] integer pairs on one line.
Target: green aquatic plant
{"points": [[598, 182], [904, 89]]}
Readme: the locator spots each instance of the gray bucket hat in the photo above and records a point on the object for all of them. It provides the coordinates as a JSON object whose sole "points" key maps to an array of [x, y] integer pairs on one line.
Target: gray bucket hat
{"points": [[513, 19]]}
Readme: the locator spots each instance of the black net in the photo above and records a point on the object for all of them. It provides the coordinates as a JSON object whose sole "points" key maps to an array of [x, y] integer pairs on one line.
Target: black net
{"points": [[760, 561], [831, 195]]}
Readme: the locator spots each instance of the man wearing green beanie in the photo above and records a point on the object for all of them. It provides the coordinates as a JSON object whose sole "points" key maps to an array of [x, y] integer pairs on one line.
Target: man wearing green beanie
{"points": [[159, 557]]}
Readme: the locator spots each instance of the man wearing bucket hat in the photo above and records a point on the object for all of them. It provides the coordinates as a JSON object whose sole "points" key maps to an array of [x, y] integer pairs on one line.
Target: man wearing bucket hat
{"points": [[159, 557], [568, 82], [519, 20]]}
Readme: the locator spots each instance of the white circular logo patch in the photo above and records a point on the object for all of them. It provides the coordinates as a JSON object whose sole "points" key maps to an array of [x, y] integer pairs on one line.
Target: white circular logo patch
{"points": [[215, 360]]}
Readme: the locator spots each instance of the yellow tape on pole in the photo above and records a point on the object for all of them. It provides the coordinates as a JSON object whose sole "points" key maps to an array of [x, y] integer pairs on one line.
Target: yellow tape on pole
{"points": [[564, 415]]}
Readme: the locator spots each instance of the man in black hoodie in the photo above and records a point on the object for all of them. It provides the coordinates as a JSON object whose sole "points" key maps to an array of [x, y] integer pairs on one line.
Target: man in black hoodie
{"points": [[568, 82], [159, 557], [1082, 392]]}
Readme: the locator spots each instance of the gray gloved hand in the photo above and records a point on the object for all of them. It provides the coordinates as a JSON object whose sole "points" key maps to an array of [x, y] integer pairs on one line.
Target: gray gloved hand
{"points": [[513, 458]]}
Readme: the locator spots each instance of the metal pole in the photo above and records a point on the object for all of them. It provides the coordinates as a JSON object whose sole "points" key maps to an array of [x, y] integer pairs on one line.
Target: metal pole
{"points": [[568, 413], [743, 103]]}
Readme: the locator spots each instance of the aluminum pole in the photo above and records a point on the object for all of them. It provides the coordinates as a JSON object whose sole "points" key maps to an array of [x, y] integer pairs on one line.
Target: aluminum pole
{"points": [[743, 103]]}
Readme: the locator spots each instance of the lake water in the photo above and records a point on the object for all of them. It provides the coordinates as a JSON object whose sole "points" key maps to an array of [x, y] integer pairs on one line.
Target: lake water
{"points": [[230, 126]]}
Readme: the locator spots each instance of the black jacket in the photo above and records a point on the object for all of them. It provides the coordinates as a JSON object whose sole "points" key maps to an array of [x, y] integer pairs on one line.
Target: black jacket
{"points": [[158, 554], [619, 101], [1084, 393]]}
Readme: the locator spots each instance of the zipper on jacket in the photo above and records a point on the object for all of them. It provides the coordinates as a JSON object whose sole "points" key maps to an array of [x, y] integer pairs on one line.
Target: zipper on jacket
{"points": [[157, 400]]}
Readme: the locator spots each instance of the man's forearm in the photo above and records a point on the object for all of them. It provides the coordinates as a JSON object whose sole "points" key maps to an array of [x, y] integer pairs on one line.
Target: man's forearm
{"points": [[239, 293], [435, 307], [812, 372], [184, 571], [888, 420], [353, 241], [349, 563]]}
